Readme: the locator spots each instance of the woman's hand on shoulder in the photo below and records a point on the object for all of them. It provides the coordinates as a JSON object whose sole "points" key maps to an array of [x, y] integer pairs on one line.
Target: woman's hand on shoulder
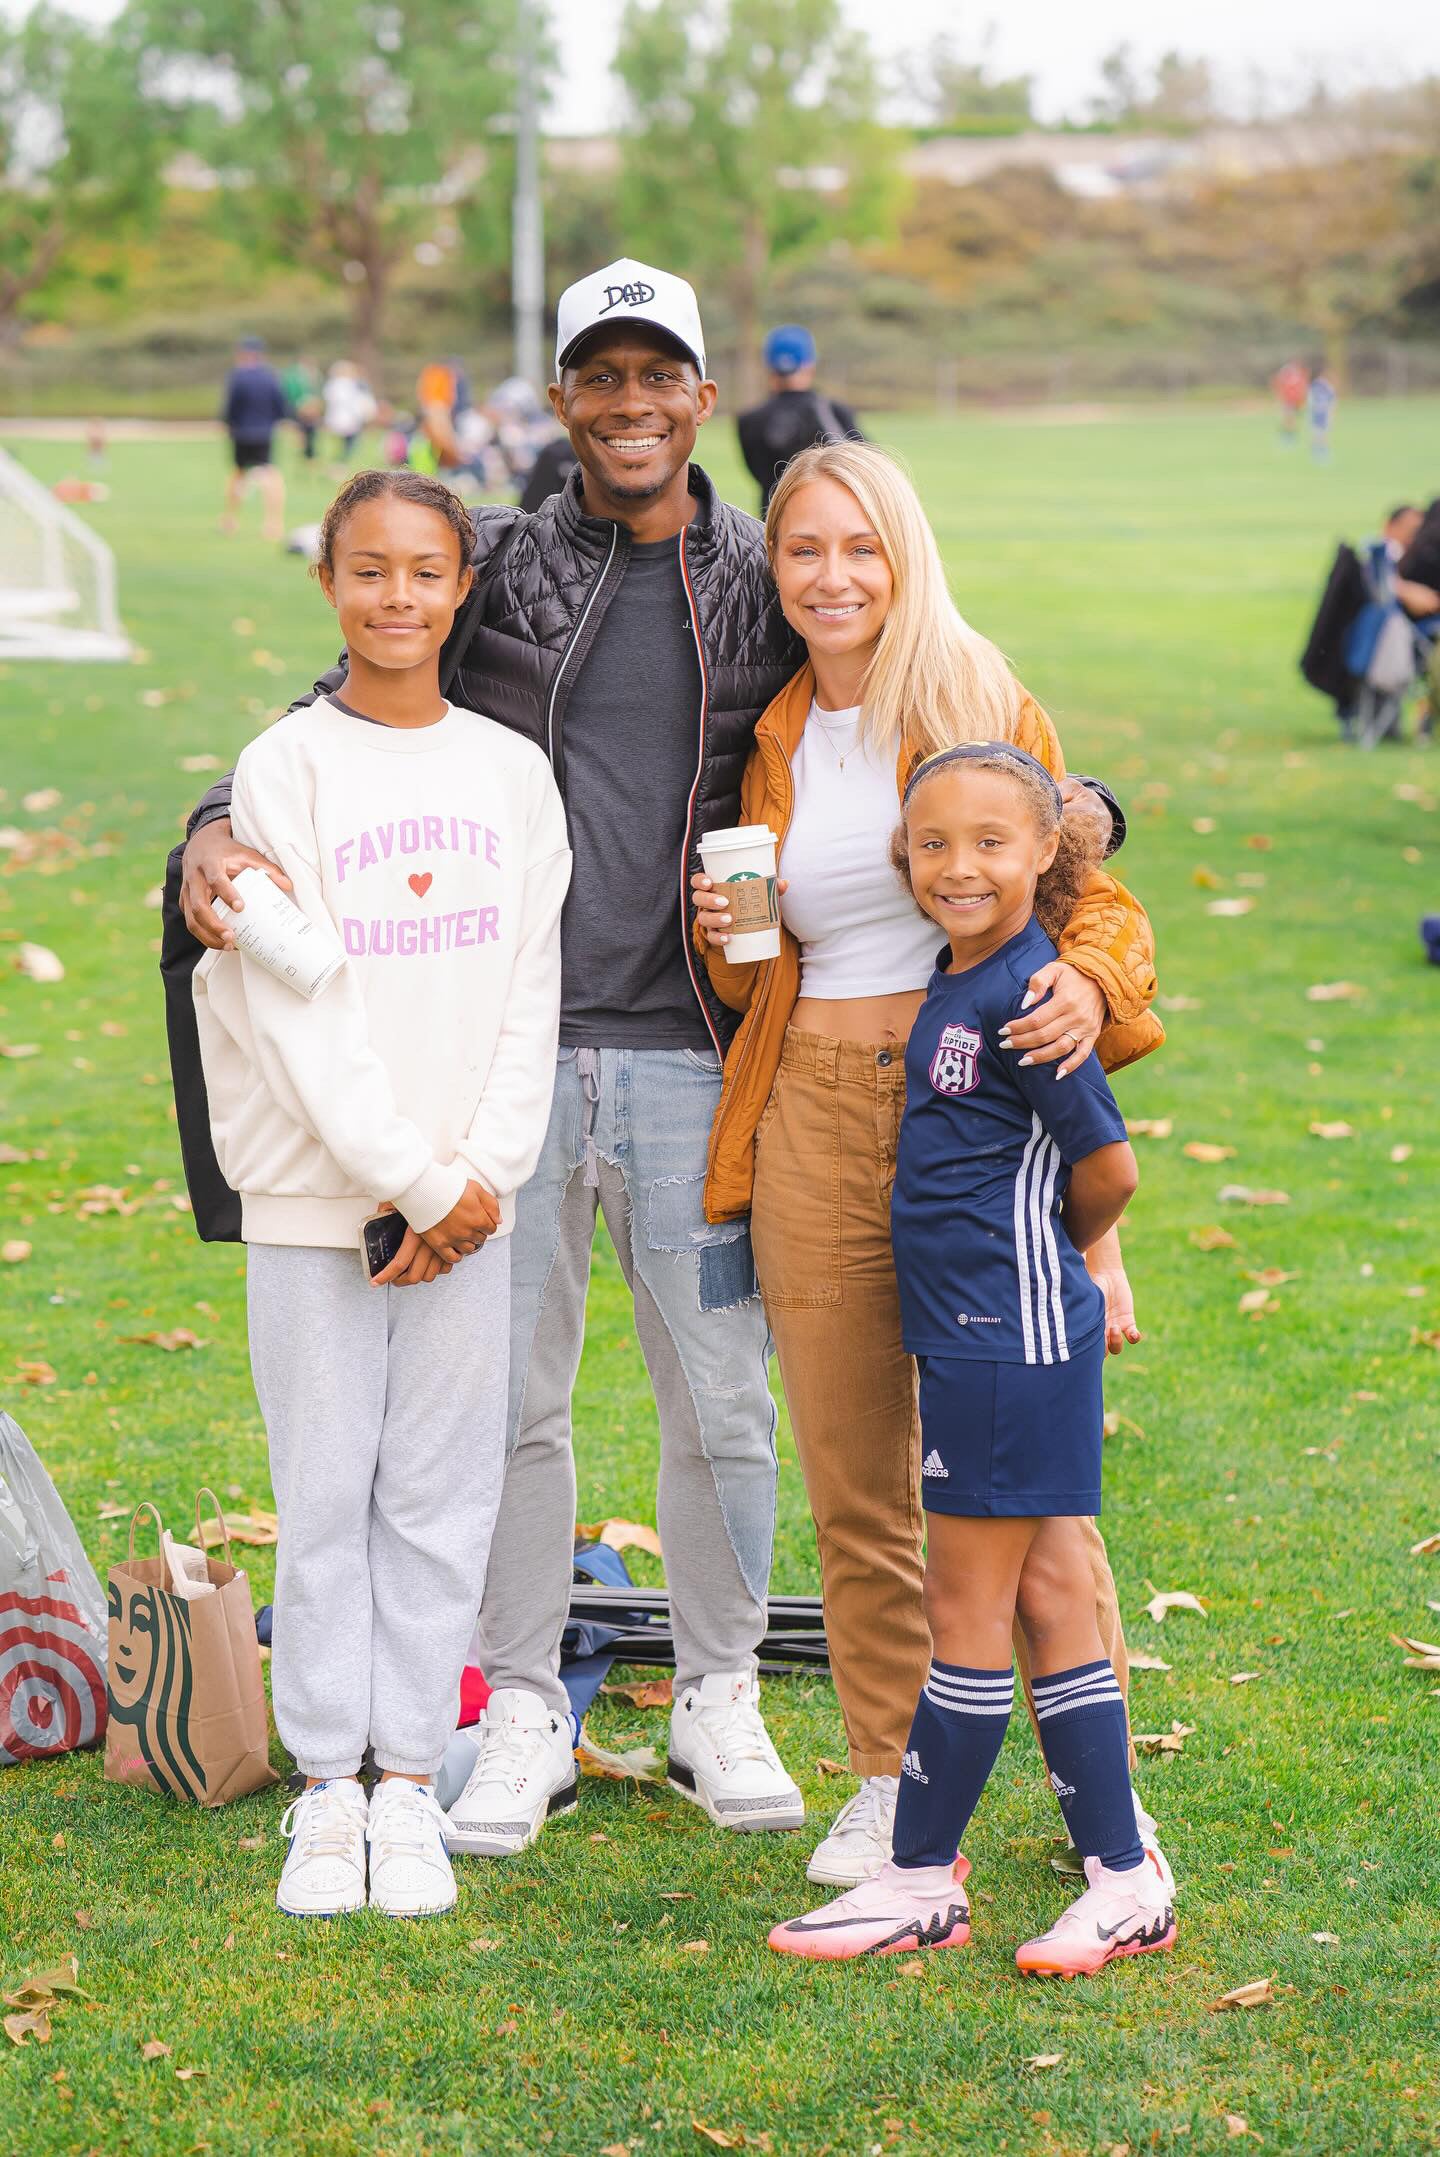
{"points": [[1068, 1022], [712, 908]]}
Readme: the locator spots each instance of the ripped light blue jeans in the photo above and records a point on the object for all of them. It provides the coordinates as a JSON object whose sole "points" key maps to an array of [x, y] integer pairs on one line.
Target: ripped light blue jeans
{"points": [[627, 1138]]}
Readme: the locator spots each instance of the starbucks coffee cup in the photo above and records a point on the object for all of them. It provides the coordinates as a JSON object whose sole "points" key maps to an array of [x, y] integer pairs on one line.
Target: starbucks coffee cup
{"points": [[278, 936], [741, 864]]}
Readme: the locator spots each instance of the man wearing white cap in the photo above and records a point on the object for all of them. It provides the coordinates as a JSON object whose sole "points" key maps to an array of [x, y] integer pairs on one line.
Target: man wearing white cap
{"points": [[630, 626]]}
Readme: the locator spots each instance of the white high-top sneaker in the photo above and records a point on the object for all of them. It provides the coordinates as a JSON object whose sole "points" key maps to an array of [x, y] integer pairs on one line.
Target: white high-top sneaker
{"points": [[721, 1757], [524, 1774], [410, 1872], [324, 1870], [860, 1840]]}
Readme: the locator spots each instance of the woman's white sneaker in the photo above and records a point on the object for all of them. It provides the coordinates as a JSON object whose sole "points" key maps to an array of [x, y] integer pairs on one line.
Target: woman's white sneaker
{"points": [[324, 1870], [524, 1773], [410, 1872], [721, 1757], [861, 1839]]}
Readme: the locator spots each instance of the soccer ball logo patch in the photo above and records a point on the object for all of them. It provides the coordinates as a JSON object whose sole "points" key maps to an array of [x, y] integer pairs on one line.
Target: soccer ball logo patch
{"points": [[955, 1068]]}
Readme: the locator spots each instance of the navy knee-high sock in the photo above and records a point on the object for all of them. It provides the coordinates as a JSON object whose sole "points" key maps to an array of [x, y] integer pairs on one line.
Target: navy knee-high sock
{"points": [[955, 1740], [1081, 1714]]}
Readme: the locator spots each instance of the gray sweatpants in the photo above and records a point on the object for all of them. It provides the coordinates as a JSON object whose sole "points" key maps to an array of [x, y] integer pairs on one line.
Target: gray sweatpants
{"points": [[385, 1409]]}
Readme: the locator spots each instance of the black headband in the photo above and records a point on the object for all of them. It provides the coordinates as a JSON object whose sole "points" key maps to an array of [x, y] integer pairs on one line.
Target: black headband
{"points": [[972, 752]]}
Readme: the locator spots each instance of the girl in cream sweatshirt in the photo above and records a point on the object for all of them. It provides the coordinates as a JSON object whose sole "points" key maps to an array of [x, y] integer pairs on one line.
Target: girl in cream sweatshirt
{"points": [[432, 841]]}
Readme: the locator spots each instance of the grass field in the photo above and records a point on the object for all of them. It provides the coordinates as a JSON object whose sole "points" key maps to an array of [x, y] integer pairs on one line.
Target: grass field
{"points": [[1151, 579]]}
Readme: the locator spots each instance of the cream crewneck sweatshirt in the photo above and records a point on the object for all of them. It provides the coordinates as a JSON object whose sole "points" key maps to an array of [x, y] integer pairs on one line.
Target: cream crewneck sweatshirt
{"points": [[440, 856]]}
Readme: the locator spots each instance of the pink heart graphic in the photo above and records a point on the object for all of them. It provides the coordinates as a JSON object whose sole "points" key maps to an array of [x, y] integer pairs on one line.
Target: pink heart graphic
{"points": [[421, 884]]}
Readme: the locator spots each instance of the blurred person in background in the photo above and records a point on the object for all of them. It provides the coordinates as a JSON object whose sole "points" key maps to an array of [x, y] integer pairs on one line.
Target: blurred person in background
{"points": [[1291, 384], [302, 387], [1323, 399], [349, 408], [795, 415], [253, 407]]}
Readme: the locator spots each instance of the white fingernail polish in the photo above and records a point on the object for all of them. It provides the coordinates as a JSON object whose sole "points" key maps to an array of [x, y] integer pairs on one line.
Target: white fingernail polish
{"points": [[1029, 999], [1025, 1063]]}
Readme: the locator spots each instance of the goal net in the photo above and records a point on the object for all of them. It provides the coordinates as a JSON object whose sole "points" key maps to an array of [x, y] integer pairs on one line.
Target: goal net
{"points": [[57, 579]]}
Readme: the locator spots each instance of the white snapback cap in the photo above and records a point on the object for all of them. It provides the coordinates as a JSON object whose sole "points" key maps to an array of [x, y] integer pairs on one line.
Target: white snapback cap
{"points": [[628, 291]]}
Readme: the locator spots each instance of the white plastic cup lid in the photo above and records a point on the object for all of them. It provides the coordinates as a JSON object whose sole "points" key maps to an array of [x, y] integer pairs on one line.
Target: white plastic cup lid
{"points": [[742, 835]]}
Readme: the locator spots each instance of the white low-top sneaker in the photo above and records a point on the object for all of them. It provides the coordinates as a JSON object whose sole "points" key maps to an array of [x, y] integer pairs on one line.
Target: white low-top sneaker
{"points": [[324, 1870], [860, 1841], [410, 1872], [524, 1774], [721, 1757], [1150, 1844]]}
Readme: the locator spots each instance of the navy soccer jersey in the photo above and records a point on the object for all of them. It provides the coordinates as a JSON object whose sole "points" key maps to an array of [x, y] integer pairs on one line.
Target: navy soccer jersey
{"points": [[985, 1267]]}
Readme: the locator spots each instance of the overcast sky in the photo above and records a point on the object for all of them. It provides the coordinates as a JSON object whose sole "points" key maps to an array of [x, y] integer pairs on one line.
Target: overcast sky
{"points": [[1061, 43]]}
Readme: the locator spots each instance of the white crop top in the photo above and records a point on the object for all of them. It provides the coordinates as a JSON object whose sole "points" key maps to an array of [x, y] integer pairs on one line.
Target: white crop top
{"points": [[860, 932]]}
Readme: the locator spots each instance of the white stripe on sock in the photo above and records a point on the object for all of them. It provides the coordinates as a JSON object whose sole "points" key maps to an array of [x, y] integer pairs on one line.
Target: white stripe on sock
{"points": [[1052, 1688], [1081, 1700], [968, 1707]]}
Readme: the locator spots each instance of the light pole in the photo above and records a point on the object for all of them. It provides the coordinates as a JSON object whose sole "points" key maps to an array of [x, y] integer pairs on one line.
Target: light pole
{"points": [[527, 230]]}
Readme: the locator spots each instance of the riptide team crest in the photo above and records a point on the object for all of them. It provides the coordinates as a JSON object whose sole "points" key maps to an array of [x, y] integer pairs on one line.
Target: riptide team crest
{"points": [[955, 1068]]}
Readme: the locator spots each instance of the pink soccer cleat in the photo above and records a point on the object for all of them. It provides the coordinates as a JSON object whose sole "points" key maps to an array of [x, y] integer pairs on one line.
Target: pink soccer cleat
{"points": [[1120, 1913], [896, 1912]]}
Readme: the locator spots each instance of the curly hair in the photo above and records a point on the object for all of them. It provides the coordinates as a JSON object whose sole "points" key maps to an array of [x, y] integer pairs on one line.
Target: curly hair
{"points": [[401, 486], [1058, 890]]}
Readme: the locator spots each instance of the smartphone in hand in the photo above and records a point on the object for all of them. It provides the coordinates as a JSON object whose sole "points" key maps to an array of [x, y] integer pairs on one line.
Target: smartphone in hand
{"points": [[380, 1239]]}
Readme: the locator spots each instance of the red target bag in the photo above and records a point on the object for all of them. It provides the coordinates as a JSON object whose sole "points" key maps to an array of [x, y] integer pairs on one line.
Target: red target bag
{"points": [[52, 1616]]}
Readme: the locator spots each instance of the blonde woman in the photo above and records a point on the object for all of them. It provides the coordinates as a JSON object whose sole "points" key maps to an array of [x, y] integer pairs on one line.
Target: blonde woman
{"points": [[804, 1138]]}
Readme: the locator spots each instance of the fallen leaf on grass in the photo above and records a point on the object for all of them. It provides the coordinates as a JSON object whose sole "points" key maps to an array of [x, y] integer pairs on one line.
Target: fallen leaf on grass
{"points": [[1260, 1992], [913, 1968], [621, 1535], [101, 1198], [695, 1947], [15, 1050], [719, 2136], [84, 1921], [111, 1511], [1326, 1939], [1230, 908], [1241, 1194], [1212, 1238], [38, 963], [1272, 1276], [1245, 1677], [1427, 1547], [35, 2023], [482, 1946], [188, 2074], [1332, 1130], [1256, 1302], [1043, 2059], [199, 763], [1070, 1867], [12, 1156], [261, 1529], [1236, 2124], [16, 1251], [1425, 1340], [652, 1693], [44, 1988], [1261, 841], [1400, 1153], [1163, 1741], [1150, 1126], [831, 1767], [1204, 825], [1200, 1149], [1333, 992], [641, 1765], [113, 1029], [35, 1373], [1115, 1423], [178, 1337], [1173, 1599], [614, 2149], [1206, 879], [251, 1842], [154, 2048], [1419, 1654], [154, 898], [1148, 1662]]}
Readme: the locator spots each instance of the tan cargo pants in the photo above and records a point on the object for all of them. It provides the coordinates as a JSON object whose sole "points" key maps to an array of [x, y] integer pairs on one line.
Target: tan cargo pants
{"points": [[824, 1169]]}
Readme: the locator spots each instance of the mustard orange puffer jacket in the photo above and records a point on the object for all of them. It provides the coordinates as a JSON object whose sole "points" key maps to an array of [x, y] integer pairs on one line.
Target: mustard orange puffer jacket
{"points": [[1109, 939]]}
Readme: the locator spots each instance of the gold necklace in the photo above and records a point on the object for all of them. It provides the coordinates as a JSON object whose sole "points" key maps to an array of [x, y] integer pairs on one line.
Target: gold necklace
{"points": [[824, 734]]}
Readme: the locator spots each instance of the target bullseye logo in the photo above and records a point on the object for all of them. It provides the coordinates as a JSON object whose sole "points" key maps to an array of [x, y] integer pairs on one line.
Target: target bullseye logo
{"points": [[52, 1677]]}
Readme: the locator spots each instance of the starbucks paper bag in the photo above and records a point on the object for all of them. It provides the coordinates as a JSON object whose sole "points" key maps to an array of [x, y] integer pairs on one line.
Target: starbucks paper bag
{"points": [[186, 1696]]}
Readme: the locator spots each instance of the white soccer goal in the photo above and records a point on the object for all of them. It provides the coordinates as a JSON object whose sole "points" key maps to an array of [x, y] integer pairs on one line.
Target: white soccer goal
{"points": [[57, 579]]}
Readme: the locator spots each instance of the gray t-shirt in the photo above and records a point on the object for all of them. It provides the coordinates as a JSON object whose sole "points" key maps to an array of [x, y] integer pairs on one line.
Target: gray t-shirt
{"points": [[631, 749]]}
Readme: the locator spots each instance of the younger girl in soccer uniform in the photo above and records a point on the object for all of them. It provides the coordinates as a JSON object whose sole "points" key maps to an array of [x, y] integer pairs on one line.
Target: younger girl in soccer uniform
{"points": [[1005, 1176], [432, 842]]}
